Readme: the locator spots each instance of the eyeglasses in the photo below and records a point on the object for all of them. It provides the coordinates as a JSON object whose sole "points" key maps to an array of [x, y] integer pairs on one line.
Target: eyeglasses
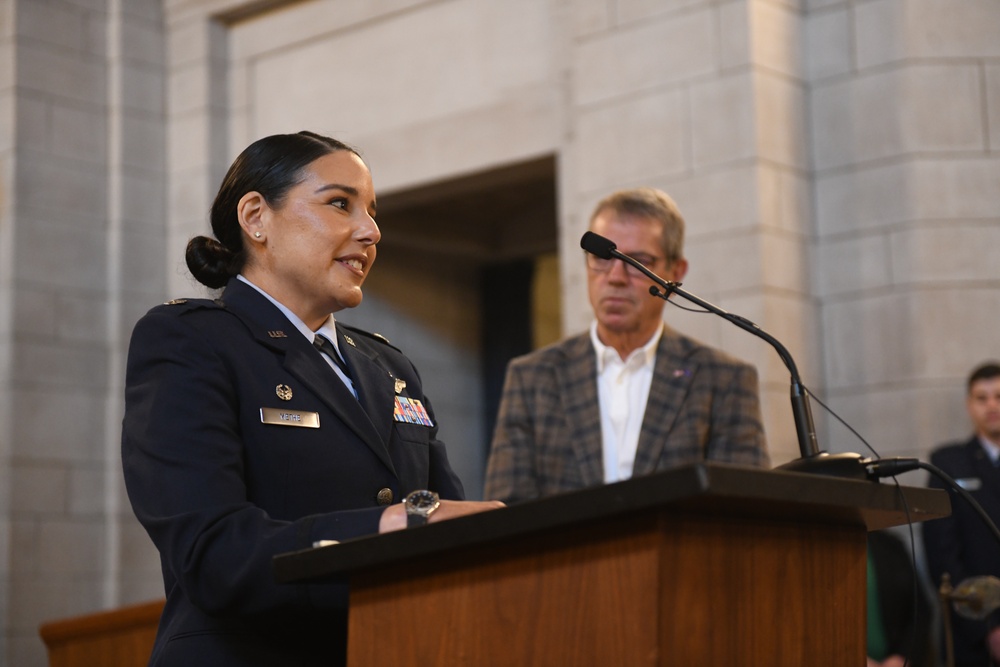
{"points": [[599, 265]]}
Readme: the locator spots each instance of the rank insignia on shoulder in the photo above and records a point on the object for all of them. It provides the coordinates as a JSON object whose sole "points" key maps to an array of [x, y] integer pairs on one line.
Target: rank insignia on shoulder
{"points": [[361, 332]]}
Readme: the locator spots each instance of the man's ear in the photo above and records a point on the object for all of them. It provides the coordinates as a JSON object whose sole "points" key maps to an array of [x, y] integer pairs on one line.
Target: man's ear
{"points": [[251, 213], [678, 270]]}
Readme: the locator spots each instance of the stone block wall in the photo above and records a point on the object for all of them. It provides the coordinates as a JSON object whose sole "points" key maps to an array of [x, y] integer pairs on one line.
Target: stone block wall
{"points": [[904, 104]]}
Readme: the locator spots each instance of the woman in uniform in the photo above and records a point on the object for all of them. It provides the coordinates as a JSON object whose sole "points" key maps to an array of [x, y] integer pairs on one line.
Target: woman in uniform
{"points": [[256, 424]]}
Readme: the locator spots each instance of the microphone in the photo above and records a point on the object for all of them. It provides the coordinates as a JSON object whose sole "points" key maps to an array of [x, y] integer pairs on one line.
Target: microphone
{"points": [[812, 459], [598, 246], [604, 248]]}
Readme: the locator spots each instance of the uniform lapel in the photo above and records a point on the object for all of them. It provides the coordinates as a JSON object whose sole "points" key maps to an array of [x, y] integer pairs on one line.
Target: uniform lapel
{"points": [[673, 373], [374, 384], [304, 362], [578, 385], [984, 468]]}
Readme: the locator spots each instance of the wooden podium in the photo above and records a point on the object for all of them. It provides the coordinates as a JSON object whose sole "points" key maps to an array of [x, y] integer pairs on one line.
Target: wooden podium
{"points": [[708, 564]]}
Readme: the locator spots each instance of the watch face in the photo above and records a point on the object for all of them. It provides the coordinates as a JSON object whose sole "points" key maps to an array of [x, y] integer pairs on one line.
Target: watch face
{"points": [[422, 502]]}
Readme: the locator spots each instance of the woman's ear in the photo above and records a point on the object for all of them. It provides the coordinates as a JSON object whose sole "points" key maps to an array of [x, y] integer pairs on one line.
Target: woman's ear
{"points": [[251, 211]]}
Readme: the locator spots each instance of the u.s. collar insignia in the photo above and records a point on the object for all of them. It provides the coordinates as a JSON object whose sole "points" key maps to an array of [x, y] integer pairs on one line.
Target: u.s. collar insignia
{"points": [[400, 385], [277, 334], [284, 392], [350, 341]]}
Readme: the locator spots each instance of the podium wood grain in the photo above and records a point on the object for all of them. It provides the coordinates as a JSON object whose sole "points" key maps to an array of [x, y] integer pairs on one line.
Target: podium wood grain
{"points": [[116, 638], [685, 590]]}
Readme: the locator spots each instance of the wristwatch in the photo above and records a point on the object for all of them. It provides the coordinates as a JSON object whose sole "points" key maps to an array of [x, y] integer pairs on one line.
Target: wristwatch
{"points": [[419, 507]]}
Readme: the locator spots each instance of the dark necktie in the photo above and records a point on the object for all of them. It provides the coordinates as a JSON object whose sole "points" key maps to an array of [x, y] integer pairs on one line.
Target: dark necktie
{"points": [[324, 345]]}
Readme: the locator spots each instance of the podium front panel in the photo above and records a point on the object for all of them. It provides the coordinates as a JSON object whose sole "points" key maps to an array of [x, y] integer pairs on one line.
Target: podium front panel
{"points": [[683, 590]]}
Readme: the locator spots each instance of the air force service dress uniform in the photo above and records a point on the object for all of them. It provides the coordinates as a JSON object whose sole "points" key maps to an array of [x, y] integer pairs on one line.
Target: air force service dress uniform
{"points": [[239, 442]]}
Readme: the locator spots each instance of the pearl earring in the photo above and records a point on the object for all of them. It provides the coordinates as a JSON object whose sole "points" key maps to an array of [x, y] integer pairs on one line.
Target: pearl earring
{"points": [[256, 235]]}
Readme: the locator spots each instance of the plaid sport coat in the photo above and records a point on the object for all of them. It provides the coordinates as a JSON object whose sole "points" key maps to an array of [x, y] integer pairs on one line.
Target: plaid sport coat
{"points": [[703, 405]]}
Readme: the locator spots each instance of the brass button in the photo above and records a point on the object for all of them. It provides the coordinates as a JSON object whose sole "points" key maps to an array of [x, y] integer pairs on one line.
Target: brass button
{"points": [[385, 497]]}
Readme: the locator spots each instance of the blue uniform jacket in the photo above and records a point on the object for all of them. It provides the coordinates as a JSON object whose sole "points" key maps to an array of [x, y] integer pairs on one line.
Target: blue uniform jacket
{"points": [[221, 489]]}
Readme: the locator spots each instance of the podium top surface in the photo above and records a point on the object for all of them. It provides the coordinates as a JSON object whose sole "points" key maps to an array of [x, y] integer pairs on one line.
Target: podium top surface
{"points": [[704, 488]]}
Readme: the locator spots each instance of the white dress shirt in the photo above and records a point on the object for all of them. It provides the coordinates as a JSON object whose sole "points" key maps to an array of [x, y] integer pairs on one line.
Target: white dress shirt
{"points": [[622, 392]]}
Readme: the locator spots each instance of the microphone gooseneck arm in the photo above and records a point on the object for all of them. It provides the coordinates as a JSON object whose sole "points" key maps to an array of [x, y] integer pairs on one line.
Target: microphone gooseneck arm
{"points": [[812, 458], [805, 429]]}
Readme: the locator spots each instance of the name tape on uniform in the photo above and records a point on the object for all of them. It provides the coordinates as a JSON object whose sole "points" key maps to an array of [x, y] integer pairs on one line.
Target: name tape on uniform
{"points": [[281, 417]]}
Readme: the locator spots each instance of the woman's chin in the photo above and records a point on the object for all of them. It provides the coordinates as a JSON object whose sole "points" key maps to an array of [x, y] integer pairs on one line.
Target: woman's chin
{"points": [[351, 299]]}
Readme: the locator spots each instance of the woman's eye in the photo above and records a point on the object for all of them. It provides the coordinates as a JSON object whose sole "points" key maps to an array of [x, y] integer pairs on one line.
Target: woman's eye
{"points": [[339, 202]]}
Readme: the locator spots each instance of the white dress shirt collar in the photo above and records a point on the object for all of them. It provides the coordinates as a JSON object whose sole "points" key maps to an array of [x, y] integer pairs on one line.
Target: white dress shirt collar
{"points": [[607, 354]]}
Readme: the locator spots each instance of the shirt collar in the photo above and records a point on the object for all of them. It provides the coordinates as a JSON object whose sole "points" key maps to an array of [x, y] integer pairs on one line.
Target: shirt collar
{"points": [[607, 354], [991, 448]]}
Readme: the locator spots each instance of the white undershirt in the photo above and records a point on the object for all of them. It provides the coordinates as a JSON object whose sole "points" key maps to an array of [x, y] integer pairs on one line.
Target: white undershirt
{"points": [[328, 329], [622, 392]]}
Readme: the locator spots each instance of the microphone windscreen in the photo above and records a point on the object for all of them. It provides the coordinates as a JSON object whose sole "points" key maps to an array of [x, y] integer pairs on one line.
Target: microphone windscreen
{"points": [[597, 245]]}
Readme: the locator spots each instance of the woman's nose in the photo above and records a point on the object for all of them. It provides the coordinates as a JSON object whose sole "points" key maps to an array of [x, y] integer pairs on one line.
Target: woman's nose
{"points": [[368, 231]]}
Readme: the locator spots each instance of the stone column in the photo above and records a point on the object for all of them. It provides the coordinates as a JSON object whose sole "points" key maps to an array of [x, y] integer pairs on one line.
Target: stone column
{"points": [[905, 118], [80, 240]]}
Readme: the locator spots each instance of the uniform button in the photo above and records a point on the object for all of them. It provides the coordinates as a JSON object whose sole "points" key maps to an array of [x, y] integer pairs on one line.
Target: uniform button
{"points": [[385, 496]]}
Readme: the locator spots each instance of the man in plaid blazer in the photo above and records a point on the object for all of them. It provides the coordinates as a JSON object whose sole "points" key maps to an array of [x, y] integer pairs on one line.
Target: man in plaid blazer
{"points": [[632, 396]]}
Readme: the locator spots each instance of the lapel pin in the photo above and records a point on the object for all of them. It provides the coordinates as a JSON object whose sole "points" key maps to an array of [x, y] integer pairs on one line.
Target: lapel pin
{"points": [[284, 392], [350, 341], [400, 385], [277, 334]]}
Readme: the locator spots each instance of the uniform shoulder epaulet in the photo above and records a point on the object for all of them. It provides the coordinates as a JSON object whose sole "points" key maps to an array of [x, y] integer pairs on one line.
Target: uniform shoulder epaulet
{"points": [[182, 305], [375, 336]]}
